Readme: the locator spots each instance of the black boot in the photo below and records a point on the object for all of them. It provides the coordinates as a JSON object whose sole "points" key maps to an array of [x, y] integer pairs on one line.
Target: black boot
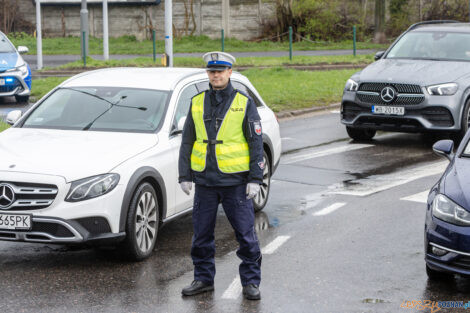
{"points": [[196, 287], [251, 292]]}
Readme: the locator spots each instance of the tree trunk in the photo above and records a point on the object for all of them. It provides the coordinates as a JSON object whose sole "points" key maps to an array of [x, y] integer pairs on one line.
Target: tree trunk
{"points": [[379, 34]]}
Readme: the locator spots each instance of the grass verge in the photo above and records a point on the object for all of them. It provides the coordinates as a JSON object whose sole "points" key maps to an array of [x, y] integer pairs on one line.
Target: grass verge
{"points": [[282, 89], [241, 62], [130, 45]]}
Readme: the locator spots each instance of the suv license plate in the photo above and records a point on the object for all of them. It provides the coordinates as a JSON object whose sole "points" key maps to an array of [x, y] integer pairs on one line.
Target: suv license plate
{"points": [[378, 109], [2, 82], [15, 221]]}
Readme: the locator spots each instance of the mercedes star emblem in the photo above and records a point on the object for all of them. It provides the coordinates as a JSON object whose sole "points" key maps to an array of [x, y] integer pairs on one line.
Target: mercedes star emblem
{"points": [[7, 196], [388, 94]]}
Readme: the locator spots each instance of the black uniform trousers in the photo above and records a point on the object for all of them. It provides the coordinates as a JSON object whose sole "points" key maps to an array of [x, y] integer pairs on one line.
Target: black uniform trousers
{"points": [[240, 214]]}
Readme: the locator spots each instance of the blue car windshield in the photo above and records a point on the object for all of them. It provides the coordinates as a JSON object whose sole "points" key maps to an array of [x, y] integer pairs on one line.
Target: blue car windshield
{"points": [[432, 45], [100, 108], [5, 45]]}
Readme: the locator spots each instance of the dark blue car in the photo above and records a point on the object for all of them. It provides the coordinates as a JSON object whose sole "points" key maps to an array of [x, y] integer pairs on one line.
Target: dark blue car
{"points": [[447, 228], [15, 73]]}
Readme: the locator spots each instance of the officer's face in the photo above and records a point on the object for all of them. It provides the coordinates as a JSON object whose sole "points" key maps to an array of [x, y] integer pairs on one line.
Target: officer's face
{"points": [[219, 79]]}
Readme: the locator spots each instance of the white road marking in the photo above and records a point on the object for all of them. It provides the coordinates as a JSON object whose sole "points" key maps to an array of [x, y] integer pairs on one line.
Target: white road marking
{"points": [[234, 290], [376, 183], [329, 209], [335, 111], [274, 245], [320, 153], [287, 138], [421, 197]]}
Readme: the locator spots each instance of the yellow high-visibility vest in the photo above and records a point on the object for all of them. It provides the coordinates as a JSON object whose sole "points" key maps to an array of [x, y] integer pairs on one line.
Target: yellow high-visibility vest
{"points": [[231, 148]]}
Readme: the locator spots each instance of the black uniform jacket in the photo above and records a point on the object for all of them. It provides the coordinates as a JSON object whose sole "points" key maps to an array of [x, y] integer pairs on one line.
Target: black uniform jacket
{"points": [[216, 104]]}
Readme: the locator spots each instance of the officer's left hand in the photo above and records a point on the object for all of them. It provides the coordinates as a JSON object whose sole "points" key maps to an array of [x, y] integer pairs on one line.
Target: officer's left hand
{"points": [[252, 190]]}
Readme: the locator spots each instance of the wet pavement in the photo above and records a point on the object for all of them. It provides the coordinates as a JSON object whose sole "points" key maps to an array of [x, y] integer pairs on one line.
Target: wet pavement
{"points": [[339, 234]]}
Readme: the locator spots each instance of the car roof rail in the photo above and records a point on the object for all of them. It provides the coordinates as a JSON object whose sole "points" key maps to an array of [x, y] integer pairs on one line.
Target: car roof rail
{"points": [[431, 22]]}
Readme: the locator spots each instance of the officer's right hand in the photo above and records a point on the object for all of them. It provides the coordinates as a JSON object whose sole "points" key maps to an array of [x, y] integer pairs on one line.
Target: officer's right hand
{"points": [[186, 186]]}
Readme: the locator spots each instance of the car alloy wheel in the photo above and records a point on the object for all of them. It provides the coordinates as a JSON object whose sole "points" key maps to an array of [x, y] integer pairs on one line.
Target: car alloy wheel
{"points": [[142, 223]]}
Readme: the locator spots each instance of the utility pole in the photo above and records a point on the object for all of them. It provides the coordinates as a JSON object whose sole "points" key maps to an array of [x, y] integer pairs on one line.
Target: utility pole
{"points": [[169, 31], [84, 27], [38, 34], [105, 30]]}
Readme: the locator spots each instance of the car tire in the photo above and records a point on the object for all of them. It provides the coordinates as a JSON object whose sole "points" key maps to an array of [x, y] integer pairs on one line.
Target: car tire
{"points": [[464, 123], [22, 99], [260, 200], [142, 223], [437, 275], [360, 134]]}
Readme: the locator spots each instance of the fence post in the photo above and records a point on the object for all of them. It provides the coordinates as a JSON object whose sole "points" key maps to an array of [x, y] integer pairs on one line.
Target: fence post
{"points": [[84, 48], [154, 35], [354, 40], [290, 43], [222, 37]]}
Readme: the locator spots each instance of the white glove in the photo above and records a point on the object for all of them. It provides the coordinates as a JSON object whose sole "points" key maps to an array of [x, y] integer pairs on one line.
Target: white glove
{"points": [[252, 190], [186, 186]]}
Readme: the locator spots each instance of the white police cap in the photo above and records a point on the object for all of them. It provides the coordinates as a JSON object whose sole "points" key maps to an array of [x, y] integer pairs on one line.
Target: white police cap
{"points": [[218, 61]]}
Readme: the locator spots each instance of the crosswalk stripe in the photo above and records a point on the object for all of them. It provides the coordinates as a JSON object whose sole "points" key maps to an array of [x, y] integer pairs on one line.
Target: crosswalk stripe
{"points": [[234, 290], [329, 209], [274, 245], [421, 197], [320, 153], [376, 183]]}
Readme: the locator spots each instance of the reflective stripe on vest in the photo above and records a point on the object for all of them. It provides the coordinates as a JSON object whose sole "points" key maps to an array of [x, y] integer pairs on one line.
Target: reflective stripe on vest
{"points": [[232, 154]]}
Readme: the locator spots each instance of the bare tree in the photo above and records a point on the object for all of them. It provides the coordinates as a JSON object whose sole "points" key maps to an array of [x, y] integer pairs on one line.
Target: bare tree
{"points": [[379, 33]]}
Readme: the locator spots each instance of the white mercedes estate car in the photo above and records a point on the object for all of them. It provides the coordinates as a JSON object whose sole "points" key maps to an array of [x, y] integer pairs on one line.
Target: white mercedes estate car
{"points": [[96, 159]]}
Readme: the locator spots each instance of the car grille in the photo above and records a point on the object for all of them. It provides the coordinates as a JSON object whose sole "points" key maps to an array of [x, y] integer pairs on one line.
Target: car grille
{"points": [[407, 94], [30, 196], [11, 86], [95, 225], [438, 116]]}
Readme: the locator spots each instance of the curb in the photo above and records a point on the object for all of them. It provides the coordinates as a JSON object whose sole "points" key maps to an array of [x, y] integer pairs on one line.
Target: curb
{"points": [[297, 113]]}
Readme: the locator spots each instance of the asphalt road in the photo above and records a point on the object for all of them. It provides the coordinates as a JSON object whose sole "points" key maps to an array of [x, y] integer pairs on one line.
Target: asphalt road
{"points": [[342, 232], [57, 60]]}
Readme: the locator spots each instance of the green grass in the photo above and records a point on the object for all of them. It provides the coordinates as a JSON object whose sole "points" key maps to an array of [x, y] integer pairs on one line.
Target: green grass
{"points": [[42, 86], [282, 89], [288, 89], [3, 125], [248, 61], [129, 45]]}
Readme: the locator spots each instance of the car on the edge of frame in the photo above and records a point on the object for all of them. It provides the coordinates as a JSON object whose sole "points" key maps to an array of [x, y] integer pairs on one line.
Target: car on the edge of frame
{"points": [[15, 73], [447, 225], [96, 159], [419, 84]]}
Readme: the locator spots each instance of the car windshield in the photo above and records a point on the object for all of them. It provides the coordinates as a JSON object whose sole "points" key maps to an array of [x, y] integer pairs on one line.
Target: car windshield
{"points": [[445, 46], [5, 45], [100, 108]]}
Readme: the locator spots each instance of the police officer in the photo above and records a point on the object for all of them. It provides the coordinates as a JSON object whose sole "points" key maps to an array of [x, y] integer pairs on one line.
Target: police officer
{"points": [[222, 153]]}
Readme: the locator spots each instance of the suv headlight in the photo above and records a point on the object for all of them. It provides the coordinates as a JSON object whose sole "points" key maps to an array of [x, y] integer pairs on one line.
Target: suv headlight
{"points": [[443, 89], [351, 85], [92, 187], [447, 210]]}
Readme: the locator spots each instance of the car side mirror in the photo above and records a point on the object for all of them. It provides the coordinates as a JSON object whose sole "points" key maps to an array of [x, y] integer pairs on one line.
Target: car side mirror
{"points": [[13, 116], [22, 49], [379, 55], [444, 148]]}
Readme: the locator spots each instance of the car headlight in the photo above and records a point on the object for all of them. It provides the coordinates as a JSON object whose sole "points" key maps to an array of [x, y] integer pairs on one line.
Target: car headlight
{"points": [[351, 85], [23, 69], [443, 89], [445, 209], [92, 187]]}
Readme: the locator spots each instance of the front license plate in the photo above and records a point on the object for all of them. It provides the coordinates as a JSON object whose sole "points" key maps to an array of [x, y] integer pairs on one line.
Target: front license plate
{"points": [[2, 81], [15, 221], [378, 109]]}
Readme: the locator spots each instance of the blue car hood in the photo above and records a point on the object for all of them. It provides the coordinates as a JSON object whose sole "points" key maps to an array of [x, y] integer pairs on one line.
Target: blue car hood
{"points": [[457, 182], [9, 60]]}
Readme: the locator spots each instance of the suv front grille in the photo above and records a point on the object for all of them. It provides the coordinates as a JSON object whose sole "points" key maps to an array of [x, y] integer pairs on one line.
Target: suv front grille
{"points": [[30, 196], [9, 87], [407, 94]]}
